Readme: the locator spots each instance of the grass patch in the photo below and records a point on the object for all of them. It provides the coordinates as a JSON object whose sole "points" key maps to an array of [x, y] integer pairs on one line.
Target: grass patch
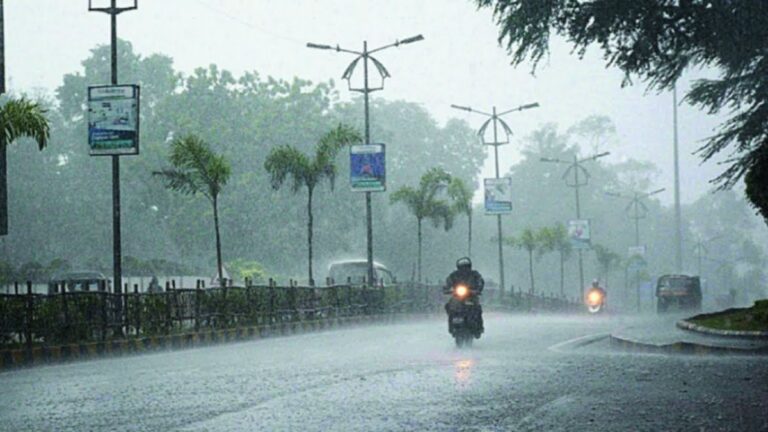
{"points": [[754, 318]]}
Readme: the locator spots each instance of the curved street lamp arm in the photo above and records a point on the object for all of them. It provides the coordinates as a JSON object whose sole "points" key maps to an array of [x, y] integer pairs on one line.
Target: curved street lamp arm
{"points": [[658, 191], [337, 48], [470, 109], [520, 108], [597, 156], [397, 43]]}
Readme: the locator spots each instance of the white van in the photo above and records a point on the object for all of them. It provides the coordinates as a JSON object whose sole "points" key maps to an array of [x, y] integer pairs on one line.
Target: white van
{"points": [[356, 271]]}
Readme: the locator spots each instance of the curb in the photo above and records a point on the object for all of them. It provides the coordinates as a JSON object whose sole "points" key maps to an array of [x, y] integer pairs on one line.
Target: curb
{"points": [[743, 334], [49, 355], [688, 348]]}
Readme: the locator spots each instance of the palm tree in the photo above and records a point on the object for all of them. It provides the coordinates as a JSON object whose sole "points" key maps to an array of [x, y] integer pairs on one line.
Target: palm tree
{"points": [[462, 203], [530, 242], [308, 171], [424, 203], [18, 118], [607, 260], [556, 239], [197, 169]]}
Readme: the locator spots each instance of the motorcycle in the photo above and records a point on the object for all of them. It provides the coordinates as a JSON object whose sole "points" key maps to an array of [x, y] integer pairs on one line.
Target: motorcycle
{"points": [[595, 301], [463, 323]]}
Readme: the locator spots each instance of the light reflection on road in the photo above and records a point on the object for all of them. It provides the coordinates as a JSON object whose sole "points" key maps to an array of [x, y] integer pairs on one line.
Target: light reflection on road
{"points": [[463, 372]]}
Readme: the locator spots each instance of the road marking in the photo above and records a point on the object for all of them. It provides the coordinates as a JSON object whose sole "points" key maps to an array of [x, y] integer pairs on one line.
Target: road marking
{"points": [[578, 342]]}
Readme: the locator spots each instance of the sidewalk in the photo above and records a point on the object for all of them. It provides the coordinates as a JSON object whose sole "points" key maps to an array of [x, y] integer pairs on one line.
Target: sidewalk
{"points": [[661, 335]]}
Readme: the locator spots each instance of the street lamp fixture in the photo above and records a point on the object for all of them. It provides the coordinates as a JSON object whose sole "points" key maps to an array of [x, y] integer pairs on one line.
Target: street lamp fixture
{"points": [[580, 178], [636, 209], [495, 118], [113, 8], [365, 56]]}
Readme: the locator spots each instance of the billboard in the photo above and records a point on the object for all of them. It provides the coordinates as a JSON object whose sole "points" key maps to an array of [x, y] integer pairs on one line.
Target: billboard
{"points": [[579, 233], [498, 195], [113, 120], [636, 251], [367, 168]]}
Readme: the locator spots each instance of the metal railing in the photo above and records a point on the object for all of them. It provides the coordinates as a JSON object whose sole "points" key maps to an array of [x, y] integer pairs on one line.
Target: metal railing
{"points": [[86, 316]]}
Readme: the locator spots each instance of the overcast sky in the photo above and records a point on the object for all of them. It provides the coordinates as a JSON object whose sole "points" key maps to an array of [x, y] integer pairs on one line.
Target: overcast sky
{"points": [[459, 62]]}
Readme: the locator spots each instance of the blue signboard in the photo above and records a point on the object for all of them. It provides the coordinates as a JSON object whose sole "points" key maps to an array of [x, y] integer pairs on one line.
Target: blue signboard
{"points": [[367, 168], [579, 233], [498, 195]]}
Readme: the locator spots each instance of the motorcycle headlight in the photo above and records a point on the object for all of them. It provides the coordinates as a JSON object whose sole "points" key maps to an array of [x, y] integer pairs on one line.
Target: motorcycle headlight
{"points": [[594, 298], [461, 291]]}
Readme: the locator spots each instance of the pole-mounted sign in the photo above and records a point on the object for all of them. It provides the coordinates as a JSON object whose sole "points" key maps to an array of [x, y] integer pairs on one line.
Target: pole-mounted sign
{"points": [[579, 233], [367, 168], [636, 251], [498, 195], [113, 120]]}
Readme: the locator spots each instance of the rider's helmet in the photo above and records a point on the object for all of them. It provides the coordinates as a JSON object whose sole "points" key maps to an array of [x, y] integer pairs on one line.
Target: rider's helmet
{"points": [[464, 264], [595, 283]]}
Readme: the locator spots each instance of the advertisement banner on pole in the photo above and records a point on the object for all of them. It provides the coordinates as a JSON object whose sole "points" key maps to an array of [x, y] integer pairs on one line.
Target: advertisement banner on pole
{"points": [[113, 120], [498, 195], [636, 251], [579, 233], [367, 168]]}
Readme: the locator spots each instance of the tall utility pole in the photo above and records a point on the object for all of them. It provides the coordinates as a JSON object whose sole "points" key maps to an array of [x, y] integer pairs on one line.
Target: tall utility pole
{"points": [[3, 157], [2, 48], [117, 266], [496, 119], [365, 55], [636, 209], [575, 167], [678, 217]]}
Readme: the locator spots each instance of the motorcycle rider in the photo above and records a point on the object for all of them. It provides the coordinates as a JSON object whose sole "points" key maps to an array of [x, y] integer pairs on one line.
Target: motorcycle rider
{"points": [[596, 286], [471, 278]]}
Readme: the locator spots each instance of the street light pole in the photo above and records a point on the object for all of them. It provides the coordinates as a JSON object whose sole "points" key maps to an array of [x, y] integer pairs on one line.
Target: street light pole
{"points": [[498, 216], [365, 55], [495, 118], [2, 48], [576, 167], [114, 11], [678, 216], [368, 210], [638, 209]]}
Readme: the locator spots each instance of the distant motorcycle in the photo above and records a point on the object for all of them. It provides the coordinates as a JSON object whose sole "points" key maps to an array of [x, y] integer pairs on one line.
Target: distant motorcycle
{"points": [[595, 300], [463, 315]]}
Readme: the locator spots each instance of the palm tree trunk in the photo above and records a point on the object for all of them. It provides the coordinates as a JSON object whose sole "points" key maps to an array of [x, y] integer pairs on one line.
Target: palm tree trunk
{"points": [[530, 268], [218, 241], [562, 274], [309, 235], [469, 216], [418, 273], [3, 190]]}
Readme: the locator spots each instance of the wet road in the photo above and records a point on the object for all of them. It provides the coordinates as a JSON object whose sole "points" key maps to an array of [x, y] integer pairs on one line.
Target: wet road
{"points": [[522, 375]]}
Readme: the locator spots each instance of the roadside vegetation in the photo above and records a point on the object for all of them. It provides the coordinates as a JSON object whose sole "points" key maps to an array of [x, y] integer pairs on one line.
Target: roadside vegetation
{"points": [[754, 318]]}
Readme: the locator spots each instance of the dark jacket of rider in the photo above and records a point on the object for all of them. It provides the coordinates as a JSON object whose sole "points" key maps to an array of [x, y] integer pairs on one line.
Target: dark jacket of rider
{"points": [[468, 276]]}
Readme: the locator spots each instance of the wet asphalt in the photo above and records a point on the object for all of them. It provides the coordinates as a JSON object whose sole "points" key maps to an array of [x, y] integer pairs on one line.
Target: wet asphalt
{"points": [[527, 373]]}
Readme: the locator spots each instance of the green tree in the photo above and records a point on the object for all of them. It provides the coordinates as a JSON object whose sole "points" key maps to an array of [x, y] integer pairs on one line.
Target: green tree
{"points": [[607, 261], [462, 195], [530, 241], [18, 118], [195, 168], [657, 40], [306, 171], [423, 202], [556, 239]]}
